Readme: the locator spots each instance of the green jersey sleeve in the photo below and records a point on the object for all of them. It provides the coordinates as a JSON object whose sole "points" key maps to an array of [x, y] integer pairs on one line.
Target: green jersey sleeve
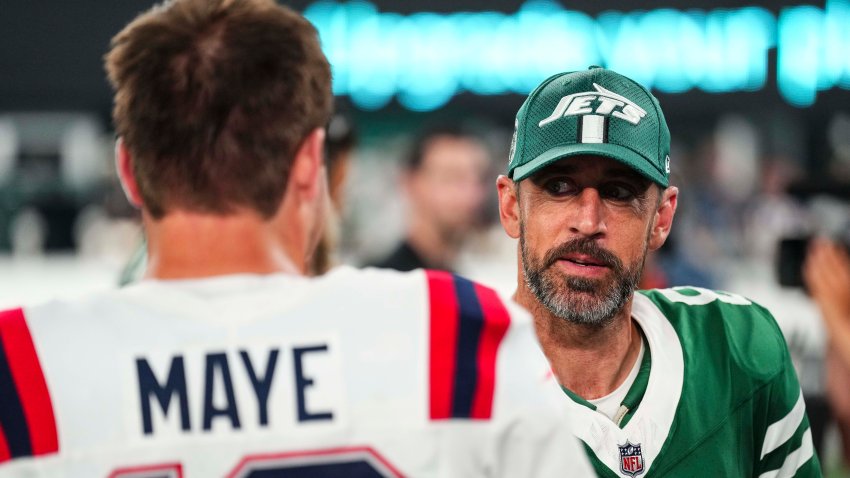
{"points": [[783, 436], [741, 411]]}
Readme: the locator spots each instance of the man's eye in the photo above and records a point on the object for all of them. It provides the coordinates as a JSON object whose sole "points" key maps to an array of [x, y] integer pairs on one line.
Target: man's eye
{"points": [[559, 186], [619, 192]]}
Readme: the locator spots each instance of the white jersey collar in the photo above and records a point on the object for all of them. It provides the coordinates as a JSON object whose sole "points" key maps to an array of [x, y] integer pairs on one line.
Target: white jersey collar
{"points": [[650, 425]]}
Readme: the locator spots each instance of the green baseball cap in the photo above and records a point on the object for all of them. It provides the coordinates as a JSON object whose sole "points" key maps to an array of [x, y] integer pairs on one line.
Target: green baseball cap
{"points": [[592, 112]]}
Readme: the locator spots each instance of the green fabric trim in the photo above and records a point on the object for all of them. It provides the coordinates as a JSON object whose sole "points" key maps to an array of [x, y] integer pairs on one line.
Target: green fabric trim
{"points": [[578, 399], [638, 389], [636, 392]]}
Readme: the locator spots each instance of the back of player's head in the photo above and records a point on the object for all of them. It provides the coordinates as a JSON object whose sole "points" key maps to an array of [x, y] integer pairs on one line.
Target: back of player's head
{"points": [[213, 99]]}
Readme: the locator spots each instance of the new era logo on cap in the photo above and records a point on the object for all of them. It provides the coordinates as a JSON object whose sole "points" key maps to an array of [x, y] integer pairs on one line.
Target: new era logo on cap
{"points": [[595, 112]]}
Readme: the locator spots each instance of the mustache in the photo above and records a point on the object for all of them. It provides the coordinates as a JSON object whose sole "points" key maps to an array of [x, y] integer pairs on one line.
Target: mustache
{"points": [[585, 246]]}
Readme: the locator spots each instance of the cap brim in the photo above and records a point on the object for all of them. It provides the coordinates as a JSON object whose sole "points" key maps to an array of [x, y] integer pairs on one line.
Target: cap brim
{"points": [[608, 150]]}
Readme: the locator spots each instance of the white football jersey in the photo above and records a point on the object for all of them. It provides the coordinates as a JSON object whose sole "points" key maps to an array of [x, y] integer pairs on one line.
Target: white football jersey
{"points": [[355, 374]]}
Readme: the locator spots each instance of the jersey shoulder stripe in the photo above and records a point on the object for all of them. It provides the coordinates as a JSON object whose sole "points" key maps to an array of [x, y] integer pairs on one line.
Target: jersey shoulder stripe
{"points": [[27, 422], [497, 320], [781, 431], [467, 323], [795, 460]]}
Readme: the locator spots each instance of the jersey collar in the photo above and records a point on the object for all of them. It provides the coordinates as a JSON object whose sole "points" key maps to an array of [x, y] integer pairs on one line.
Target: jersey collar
{"points": [[636, 390], [649, 425]]}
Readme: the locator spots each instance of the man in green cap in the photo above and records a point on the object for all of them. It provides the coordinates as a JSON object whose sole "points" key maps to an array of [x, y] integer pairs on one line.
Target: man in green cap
{"points": [[676, 382]]}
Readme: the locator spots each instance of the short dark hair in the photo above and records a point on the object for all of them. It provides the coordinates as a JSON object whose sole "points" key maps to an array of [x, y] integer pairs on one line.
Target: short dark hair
{"points": [[213, 99], [422, 141]]}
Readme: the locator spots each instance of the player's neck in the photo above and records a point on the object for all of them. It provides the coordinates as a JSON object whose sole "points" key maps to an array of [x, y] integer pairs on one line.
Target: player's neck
{"points": [[186, 245], [433, 247], [589, 361]]}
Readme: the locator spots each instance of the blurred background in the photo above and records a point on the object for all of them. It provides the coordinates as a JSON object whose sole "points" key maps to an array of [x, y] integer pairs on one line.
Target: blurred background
{"points": [[756, 95]]}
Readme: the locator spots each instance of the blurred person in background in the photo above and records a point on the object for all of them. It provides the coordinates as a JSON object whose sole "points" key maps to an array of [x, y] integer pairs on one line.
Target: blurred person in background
{"points": [[443, 180], [667, 382], [668, 267], [226, 360], [827, 277], [339, 149]]}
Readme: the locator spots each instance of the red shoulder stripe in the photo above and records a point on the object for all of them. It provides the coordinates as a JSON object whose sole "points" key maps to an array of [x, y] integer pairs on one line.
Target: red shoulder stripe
{"points": [[443, 342], [5, 453], [29, 380], [496, 323]]}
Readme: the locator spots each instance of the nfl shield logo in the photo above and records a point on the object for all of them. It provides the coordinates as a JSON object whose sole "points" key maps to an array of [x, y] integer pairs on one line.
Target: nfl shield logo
{"points": [[631, 459]]}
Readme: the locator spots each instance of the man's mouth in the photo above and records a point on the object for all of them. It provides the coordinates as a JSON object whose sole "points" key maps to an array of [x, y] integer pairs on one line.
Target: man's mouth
{"points": [[584, 260]]}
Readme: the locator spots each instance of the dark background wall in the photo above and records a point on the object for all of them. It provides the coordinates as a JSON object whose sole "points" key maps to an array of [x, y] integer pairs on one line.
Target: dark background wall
{"points": [[51, 51]]}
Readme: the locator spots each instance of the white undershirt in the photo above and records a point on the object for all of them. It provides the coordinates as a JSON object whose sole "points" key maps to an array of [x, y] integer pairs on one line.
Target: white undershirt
{"points": [[610, 404]]}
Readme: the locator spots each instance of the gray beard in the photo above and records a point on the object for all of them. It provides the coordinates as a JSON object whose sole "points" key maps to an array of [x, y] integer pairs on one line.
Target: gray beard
{"points": [[575, 299]]}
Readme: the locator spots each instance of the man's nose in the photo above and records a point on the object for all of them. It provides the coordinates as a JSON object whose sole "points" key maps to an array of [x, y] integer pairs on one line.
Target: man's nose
{"points": [[588, 218]]}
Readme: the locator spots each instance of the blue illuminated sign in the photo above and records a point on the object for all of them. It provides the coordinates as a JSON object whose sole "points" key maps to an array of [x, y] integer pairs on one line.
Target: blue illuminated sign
{"points": [[424, 59]]}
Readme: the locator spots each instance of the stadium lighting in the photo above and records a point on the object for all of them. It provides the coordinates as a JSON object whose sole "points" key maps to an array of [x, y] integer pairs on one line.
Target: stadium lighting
{"points": [[424, 59]]}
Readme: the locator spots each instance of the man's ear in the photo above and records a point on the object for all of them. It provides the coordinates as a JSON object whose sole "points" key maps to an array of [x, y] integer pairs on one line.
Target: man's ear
{"points": [[663, 218], [508, 205], [308, 167], [124, 167]]}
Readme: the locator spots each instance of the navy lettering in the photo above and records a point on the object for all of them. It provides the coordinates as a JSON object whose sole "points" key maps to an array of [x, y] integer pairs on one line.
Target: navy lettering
{"points": [[219, 362], [262, 386], [175, 384], [302, 382]]}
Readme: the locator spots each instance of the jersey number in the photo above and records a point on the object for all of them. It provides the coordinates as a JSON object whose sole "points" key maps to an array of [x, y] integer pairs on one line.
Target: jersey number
{"points": [[354, 462], [700, 296], [169, 470]]}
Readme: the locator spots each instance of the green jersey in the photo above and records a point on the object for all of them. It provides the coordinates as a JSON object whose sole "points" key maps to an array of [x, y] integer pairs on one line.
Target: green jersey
{"points": [[719, 396]]}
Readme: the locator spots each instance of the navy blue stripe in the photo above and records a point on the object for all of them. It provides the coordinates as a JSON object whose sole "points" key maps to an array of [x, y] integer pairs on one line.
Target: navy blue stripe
{"points": [[12, 419], [470, 325]]}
